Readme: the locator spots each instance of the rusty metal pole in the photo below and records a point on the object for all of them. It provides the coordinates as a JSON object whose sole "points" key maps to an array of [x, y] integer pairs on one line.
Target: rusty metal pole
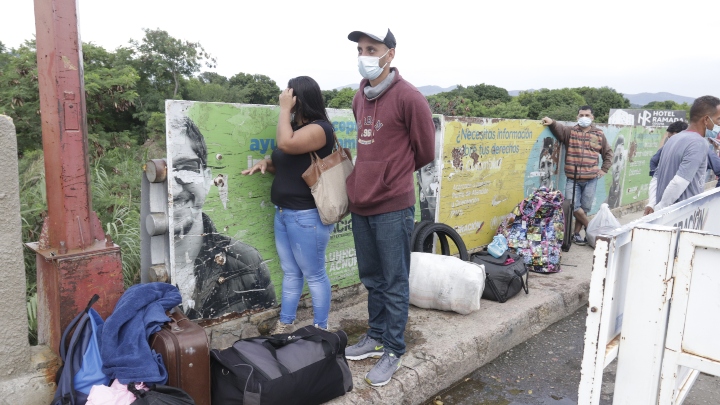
{"points": [[74, 259]]}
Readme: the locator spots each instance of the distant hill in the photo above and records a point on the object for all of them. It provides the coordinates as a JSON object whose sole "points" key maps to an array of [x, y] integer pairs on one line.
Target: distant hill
{"points": [[641, 99], [353, 86], [430, 90], [425, 90]]}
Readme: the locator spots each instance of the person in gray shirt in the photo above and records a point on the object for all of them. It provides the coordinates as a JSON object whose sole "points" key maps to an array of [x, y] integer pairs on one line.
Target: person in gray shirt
{"points": [[681, 171]]}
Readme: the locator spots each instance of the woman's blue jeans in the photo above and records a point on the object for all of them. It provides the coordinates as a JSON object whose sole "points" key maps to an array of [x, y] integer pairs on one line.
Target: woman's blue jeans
{"points": [[301, 239]]}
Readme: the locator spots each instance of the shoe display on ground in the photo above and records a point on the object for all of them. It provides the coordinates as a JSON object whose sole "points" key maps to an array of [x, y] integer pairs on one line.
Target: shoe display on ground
{"points": [[383, 371], [578, 240], [366, 347], [282, 328]]}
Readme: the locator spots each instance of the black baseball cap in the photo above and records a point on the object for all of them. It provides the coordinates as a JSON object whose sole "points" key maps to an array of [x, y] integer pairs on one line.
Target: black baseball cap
{"points": [[387, 38]]}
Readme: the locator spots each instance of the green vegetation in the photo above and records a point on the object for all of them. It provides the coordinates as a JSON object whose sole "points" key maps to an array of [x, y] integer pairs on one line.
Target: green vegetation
{"points": [[490, 101], [126, 91], [125, 94]]}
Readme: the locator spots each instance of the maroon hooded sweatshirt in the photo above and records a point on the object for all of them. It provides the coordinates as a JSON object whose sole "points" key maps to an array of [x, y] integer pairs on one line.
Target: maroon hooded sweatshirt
{"points": [[396, 136]]}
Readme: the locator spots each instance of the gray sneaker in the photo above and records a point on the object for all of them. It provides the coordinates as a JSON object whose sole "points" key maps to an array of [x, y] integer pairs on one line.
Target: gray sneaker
{"points": [[383, 371], [366, 347]]}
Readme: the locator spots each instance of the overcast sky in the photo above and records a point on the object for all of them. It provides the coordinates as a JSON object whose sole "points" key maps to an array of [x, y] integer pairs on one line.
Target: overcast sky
{"points": [[630, 45]]}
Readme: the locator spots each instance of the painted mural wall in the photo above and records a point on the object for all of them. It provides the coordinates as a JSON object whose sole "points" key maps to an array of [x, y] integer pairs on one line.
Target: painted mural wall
{"points": [[223, 255], [489, 165]]}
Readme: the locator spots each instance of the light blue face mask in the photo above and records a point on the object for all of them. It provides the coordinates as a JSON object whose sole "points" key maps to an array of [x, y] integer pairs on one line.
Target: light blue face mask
{"points": [[369, 66], [712, 133]]}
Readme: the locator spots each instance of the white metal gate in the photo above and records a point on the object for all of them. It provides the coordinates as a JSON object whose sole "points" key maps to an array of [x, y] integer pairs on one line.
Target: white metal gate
{"points": [[693, 329], [608, 285]]}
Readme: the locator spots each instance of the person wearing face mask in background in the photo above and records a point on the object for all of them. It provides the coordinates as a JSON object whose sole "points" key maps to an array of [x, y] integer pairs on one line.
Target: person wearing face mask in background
{"points": [[396, 137], [681, 171], [584, 144]]}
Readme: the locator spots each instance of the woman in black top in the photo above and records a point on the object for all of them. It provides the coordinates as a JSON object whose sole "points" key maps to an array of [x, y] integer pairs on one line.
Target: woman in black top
{"points": [[300, 237]]}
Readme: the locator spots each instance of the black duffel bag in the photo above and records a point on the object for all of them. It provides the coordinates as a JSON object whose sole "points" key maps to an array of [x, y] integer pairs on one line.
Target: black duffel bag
{"points": [[502, 282], [305, 367], [159, 394]]}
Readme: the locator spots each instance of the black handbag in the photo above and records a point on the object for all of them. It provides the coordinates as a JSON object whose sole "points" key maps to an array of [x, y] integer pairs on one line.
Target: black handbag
{"points": [[160, 395], [502, 281]]}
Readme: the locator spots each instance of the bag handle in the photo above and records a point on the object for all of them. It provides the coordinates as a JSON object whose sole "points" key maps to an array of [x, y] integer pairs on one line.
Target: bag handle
{"points": [[73, 323], [283, 370], [524, 283], [135, 391], [336, 147], [276, 343]]}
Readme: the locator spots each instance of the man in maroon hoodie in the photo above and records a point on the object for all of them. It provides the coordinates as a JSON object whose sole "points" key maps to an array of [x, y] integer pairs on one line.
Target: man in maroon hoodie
{"points": [[396, 137]]}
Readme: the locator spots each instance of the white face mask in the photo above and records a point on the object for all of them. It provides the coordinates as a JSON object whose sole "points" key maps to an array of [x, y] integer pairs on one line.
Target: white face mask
{"points": [[712, 133], [584, 122], [369, 66]]}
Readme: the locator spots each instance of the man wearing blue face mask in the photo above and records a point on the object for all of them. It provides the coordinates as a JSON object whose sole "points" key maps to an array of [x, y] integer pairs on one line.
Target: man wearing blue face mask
{"points": [[396, 137], [584, 143], [681, 170]]}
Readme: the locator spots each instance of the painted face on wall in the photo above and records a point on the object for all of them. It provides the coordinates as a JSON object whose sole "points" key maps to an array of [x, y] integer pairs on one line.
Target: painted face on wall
{"points": [[429, 185], [618, 163], [190, 185], [546, 168]]}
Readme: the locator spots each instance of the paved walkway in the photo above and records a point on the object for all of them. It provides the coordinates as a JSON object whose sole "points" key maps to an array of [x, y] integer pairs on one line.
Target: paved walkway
{"points": [[444, 347]]}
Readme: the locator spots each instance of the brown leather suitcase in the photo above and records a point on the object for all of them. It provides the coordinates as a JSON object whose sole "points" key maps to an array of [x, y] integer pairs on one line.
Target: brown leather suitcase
{"points": [[185, 349]]}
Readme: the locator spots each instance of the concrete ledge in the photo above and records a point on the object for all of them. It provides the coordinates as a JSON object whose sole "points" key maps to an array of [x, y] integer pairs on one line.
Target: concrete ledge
{"points": [[36, 387], [444, 347]]}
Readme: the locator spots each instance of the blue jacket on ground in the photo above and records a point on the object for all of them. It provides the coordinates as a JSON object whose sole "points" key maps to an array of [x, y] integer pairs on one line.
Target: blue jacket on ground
{"points": [[125, 349]]}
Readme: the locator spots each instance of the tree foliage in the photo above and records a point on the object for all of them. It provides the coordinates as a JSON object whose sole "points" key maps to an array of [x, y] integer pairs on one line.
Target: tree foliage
{"points": [[19, 95], [602, 100], [481, 92], [165, 60], [343, 98], [668, 105]]}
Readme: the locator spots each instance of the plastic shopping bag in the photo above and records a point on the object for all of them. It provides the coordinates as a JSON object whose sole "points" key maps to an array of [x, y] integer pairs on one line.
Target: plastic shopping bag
{"points": [[603, 222]]}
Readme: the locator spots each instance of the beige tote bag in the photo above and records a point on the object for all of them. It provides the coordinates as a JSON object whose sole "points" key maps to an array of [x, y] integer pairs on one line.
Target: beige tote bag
{"points": [[326, 179]]}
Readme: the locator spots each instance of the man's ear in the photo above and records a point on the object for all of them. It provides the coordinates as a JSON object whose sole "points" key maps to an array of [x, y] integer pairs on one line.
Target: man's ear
{"points": [[390, 56]]}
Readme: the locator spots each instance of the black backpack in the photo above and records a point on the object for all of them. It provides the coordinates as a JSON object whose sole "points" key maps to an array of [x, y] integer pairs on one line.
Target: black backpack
{"points": [[306, 367]]}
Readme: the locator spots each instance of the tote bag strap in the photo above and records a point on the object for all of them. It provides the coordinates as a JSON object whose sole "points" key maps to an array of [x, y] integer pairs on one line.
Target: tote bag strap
{"points": [[317, 160]]}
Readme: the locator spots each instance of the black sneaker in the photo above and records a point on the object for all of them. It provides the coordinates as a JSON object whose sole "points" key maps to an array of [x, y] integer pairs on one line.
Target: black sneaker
{"points": [[578, 240]]}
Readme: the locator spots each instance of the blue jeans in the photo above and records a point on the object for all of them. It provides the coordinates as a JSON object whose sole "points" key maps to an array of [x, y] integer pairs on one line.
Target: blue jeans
{"points": [[382, 245], [584, 193], [301, 239]]}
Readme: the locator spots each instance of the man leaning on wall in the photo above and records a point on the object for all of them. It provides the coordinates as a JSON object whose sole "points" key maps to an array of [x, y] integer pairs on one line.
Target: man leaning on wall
{"points": [[396, 137], [584, 144], [680, 173]]}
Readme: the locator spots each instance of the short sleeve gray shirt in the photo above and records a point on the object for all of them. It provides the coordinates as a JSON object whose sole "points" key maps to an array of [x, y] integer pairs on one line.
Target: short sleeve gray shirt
{"points": [[684, 155]]}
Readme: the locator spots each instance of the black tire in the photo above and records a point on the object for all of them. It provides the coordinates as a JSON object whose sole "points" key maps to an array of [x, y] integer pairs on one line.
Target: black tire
{"points": [[416, 229], [426, 245], [443, 231]]}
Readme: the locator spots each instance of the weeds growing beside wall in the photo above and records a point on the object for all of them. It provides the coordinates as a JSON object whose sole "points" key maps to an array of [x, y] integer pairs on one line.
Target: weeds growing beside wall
{"points": [[115, 183]]}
